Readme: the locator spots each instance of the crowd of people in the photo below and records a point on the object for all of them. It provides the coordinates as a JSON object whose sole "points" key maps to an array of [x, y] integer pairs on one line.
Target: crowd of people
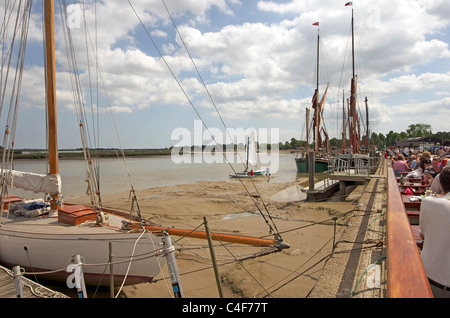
{"points": [[423, 165], [434, 220]]}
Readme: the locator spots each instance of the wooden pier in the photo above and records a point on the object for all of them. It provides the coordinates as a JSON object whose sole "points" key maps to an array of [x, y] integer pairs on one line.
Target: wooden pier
{"points": [[340, 175], [321, 190], [31, 289], [357, 173]]}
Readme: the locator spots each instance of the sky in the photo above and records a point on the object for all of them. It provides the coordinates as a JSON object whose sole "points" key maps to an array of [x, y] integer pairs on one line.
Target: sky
{"points": [[177, 70]]}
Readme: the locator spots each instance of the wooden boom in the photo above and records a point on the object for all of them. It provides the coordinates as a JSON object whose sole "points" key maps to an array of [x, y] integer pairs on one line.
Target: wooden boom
{"points": [[230, 238]]}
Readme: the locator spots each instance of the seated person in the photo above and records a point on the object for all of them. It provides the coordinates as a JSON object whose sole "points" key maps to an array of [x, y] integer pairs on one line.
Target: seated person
{"points": [[434, 223], [421, 167], [410, 161], [436, 184], [435, 166], [415, 162], [400, 165]]}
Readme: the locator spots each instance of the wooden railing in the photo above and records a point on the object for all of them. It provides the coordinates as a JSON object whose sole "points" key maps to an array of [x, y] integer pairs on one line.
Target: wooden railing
{"points": [[406, 276]]}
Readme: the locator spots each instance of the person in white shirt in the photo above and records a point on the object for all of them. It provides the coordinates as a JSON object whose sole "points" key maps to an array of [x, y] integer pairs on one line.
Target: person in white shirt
{"points": [[436, 184], [434, 227]]}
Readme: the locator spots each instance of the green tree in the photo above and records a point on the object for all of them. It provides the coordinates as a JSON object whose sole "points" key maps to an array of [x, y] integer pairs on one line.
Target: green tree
{"points": [[287, 146], [295, 143], [391, 138], [334, 142], [419, 130], [443, 136], [382, 138], [376, 140]]}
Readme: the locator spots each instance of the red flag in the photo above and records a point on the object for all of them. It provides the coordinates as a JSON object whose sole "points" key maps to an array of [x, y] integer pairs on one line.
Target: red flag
{"points": [[316, 23], [349, 4]]}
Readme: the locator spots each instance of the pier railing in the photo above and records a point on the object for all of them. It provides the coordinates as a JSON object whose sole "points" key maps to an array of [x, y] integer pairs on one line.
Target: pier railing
{"points": [[337, 165], [353, 166], [406, 276]]}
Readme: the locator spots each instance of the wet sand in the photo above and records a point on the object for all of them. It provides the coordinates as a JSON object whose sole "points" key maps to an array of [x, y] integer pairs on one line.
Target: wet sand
{"points": [[246, 208]]}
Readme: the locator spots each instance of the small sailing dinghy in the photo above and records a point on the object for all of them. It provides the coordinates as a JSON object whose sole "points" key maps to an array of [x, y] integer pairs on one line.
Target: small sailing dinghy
{"points": [[251, 159]]}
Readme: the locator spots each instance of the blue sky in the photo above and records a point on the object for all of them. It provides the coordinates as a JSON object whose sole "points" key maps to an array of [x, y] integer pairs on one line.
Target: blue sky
{"points": [[256, 59]]}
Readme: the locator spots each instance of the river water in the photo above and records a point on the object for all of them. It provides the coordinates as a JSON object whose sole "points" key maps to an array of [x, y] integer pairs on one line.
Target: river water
{"points": [[148, 172]]}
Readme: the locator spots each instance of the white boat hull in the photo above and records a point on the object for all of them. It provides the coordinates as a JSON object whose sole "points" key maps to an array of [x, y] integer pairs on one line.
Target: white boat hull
{"points": [[44, 252], [248, 175]]}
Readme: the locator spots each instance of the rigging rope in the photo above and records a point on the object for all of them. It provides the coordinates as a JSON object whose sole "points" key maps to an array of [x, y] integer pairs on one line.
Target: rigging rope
{"points": [[93, 170], [19, 33], [79, 107], [272, 226]]}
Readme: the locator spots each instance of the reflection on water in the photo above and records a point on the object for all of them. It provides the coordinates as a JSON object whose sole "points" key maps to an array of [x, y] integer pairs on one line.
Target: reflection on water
{"points": [[148, 172]]}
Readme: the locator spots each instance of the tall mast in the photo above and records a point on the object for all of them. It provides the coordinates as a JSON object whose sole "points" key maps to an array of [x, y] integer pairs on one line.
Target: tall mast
{"points": [[307, 130], [317, 59], [316, 100], [344, 128], [353, 135], [353, 46], [51, 93], [367, 125], [248, 153]]}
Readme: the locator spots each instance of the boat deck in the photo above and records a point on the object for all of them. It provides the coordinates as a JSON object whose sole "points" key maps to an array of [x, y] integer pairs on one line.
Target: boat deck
{"points": [[51, 225]]}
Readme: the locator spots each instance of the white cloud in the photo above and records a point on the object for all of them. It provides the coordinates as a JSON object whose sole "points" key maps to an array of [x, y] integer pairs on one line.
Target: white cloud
{"points": [[257, 58]]}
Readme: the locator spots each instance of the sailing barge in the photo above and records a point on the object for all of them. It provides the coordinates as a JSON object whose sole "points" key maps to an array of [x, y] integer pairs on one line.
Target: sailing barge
{"points": [[320, 164]]}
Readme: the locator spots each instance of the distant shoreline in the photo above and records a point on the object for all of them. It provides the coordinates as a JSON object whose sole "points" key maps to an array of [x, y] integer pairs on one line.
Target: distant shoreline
{"points": [[40, 154], [95, 153]]}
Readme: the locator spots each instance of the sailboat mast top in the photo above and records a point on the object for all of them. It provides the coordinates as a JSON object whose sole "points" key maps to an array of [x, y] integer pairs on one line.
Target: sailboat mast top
{"points": [[353, 46], [318, 48]]}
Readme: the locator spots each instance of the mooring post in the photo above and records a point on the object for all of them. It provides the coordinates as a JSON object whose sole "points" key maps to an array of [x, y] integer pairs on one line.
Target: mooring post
{"points": [[172, 265], [311, 170], [18, 281], [111, 271], [213, 257], [79, 277]]}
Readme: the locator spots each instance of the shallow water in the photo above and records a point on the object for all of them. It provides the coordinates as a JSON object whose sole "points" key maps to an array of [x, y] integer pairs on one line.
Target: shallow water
{"points": [[145, 173]]}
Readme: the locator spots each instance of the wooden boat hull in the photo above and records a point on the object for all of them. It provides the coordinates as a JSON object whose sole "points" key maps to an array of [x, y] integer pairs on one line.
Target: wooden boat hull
{"points": [[44, 252], [320, 165]]}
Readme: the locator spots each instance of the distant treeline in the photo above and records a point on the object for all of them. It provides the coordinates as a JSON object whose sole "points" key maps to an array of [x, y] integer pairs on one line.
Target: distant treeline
{"points": [[110, 152], [95, 153], [380, 140]]}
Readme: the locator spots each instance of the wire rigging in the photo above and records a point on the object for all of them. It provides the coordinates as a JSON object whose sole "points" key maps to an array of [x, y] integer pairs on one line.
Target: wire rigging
{"points": [[271, 225], [17, 50]]}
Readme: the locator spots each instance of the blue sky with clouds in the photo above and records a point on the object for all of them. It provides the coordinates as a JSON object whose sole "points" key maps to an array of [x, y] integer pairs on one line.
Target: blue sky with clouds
{"points": [[255, 57]]}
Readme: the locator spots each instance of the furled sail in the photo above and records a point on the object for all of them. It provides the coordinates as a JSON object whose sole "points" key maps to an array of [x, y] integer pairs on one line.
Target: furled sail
{"points": [[38, 183]]}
